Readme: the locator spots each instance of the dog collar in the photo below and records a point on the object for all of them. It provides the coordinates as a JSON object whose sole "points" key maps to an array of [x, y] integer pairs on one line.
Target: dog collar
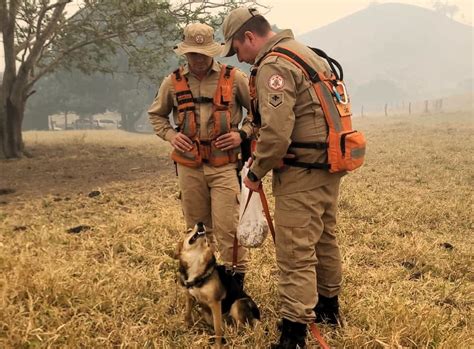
{"points": [[200, 280]]}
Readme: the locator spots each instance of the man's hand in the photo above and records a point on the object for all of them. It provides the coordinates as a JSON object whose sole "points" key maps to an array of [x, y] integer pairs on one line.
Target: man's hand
{"points": [[228, 141], [182, 142], [254, 186]]}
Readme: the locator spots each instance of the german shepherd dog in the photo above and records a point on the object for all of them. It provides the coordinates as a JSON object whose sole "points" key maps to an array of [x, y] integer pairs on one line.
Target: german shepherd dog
{"points": [[210, 285]]}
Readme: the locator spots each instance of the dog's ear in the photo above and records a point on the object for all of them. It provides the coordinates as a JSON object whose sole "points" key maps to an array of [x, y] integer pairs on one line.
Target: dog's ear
{"points": [[177, 252]]}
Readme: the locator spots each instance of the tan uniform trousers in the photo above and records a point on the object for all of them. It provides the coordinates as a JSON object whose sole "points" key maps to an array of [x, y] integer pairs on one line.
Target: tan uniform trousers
{"points": [[307, 251], [211, 195]]}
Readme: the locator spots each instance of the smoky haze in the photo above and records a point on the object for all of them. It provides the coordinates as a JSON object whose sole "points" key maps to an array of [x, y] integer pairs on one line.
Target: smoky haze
{"points": [[395, 52]]}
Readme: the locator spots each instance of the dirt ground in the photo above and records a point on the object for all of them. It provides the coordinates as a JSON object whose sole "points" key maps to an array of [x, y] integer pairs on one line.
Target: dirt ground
{"points": [[65, 163]]}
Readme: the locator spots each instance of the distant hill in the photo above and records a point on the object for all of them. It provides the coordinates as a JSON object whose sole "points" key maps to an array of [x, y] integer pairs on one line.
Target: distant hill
{"points": [[394, 52]]}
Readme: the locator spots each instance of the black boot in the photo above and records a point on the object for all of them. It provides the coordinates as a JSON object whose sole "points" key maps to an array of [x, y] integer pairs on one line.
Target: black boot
{"points": [[293, 336], [327, 311], [239, 278]]}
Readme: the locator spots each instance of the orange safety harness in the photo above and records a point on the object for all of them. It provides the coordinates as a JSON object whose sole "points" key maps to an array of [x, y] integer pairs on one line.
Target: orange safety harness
{"points": [[204, 150], [345, 146]]}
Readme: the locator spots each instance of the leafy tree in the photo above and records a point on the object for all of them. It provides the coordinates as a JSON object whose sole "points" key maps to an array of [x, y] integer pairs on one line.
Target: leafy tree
{"points": [[39, 38]]}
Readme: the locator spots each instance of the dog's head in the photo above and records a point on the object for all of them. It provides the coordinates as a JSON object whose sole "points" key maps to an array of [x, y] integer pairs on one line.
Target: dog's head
{"points": [[196, 242]]}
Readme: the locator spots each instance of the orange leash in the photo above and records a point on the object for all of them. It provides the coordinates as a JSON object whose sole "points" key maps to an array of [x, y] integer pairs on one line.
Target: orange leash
{"points": [[263, 199], [318, 337]]}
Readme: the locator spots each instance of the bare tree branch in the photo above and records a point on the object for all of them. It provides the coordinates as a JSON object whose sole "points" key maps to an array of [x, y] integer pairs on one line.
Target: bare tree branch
{"points": [[43, 12]]}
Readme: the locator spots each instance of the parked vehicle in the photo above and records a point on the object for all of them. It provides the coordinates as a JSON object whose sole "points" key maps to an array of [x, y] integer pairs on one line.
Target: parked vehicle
{"points": [[106, 124]]}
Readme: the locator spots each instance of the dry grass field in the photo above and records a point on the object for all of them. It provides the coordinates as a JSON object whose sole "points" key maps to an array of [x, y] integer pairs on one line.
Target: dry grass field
{"points": [[405, 227]]}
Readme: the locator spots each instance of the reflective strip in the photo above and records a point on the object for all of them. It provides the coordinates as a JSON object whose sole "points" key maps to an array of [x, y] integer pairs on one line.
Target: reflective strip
{"points": [[357, 153], [187, 155], [333, 113], [187, 127], [222, 123]]}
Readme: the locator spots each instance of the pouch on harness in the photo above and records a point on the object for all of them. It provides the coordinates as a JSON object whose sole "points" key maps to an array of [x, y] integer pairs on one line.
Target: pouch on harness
{"points": [[204, 150], [345, 146]]}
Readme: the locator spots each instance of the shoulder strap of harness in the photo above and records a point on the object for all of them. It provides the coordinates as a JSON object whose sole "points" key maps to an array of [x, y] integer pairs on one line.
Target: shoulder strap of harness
{"points": [[310, 72], [184, 96], [257, 119]]}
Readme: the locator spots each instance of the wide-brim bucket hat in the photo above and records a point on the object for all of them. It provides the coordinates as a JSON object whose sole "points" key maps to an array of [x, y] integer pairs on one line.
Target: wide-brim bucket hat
{"points": [[199, 38]]}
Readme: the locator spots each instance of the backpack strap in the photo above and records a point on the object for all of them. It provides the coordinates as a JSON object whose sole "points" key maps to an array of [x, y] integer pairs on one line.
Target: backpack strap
{"points": [[312, 74], [256, 117]]}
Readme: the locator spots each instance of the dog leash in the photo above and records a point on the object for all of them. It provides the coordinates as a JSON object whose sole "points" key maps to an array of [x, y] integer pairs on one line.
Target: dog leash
{"points": [[318, 337], [266, 210]]}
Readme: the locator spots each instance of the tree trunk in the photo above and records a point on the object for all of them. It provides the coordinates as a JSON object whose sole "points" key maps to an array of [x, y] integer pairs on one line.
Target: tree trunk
{"points": [[11, 118], [3, 132], [12, 140], [129, 120]]}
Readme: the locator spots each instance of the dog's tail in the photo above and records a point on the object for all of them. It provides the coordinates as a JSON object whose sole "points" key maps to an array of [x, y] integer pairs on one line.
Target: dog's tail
{"points": [[245, 311], [253, 308]]}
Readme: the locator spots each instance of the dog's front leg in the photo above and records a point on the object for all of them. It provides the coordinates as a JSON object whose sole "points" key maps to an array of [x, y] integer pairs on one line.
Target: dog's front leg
{"points": [[188, 319], [217, 318]]}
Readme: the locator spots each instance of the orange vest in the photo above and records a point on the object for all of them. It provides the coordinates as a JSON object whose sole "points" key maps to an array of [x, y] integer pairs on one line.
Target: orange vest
{"points": [[345, 146], [204, 150]]}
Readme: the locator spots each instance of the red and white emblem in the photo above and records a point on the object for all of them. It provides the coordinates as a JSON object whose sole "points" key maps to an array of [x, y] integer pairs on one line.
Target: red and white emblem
{"points": [[276, 82]]}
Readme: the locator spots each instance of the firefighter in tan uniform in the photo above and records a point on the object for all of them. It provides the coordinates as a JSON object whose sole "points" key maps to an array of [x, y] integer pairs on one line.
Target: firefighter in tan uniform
{"points": [[305, 199], [206, 99]]}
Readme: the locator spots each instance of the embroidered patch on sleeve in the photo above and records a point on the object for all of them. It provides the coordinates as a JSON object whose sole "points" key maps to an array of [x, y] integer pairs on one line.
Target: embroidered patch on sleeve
{"points": [[275, 99], [276, 82]]}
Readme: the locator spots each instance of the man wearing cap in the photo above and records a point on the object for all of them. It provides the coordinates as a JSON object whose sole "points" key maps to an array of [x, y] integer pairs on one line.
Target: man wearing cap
{"points": [[206, 99], [305, 200]]}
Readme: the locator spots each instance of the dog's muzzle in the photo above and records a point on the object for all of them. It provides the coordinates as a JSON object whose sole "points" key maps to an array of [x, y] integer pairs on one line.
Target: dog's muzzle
{"points": [[200, 231]]}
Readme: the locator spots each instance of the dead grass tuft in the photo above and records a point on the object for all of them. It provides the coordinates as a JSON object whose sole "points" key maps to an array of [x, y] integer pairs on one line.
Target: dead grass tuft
{"points": [[405, 227]]}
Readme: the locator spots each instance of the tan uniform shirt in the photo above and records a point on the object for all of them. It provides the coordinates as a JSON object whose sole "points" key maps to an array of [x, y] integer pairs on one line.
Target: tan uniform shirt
{"points": [[165, 102], [290, 111]]}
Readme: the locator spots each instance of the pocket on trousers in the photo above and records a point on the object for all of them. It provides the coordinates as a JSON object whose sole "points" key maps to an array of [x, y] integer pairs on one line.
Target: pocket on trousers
{"points": [[292, 219], [292, 236]]}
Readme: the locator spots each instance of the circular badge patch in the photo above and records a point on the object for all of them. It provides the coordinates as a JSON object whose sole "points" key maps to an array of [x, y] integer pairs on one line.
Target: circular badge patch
{"points": [[199, 39], [276, 82]]}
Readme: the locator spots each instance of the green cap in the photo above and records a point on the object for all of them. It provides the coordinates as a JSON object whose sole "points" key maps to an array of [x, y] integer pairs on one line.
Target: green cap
{"points": [[232, 23]]}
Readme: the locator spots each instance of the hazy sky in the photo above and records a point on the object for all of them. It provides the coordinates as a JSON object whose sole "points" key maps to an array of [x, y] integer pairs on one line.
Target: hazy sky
{"points": [[305, 15]]}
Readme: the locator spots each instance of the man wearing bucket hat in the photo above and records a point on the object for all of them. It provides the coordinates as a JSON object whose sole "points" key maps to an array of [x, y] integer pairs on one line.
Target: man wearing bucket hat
{"points": [[289, 113], [206, 99]]}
